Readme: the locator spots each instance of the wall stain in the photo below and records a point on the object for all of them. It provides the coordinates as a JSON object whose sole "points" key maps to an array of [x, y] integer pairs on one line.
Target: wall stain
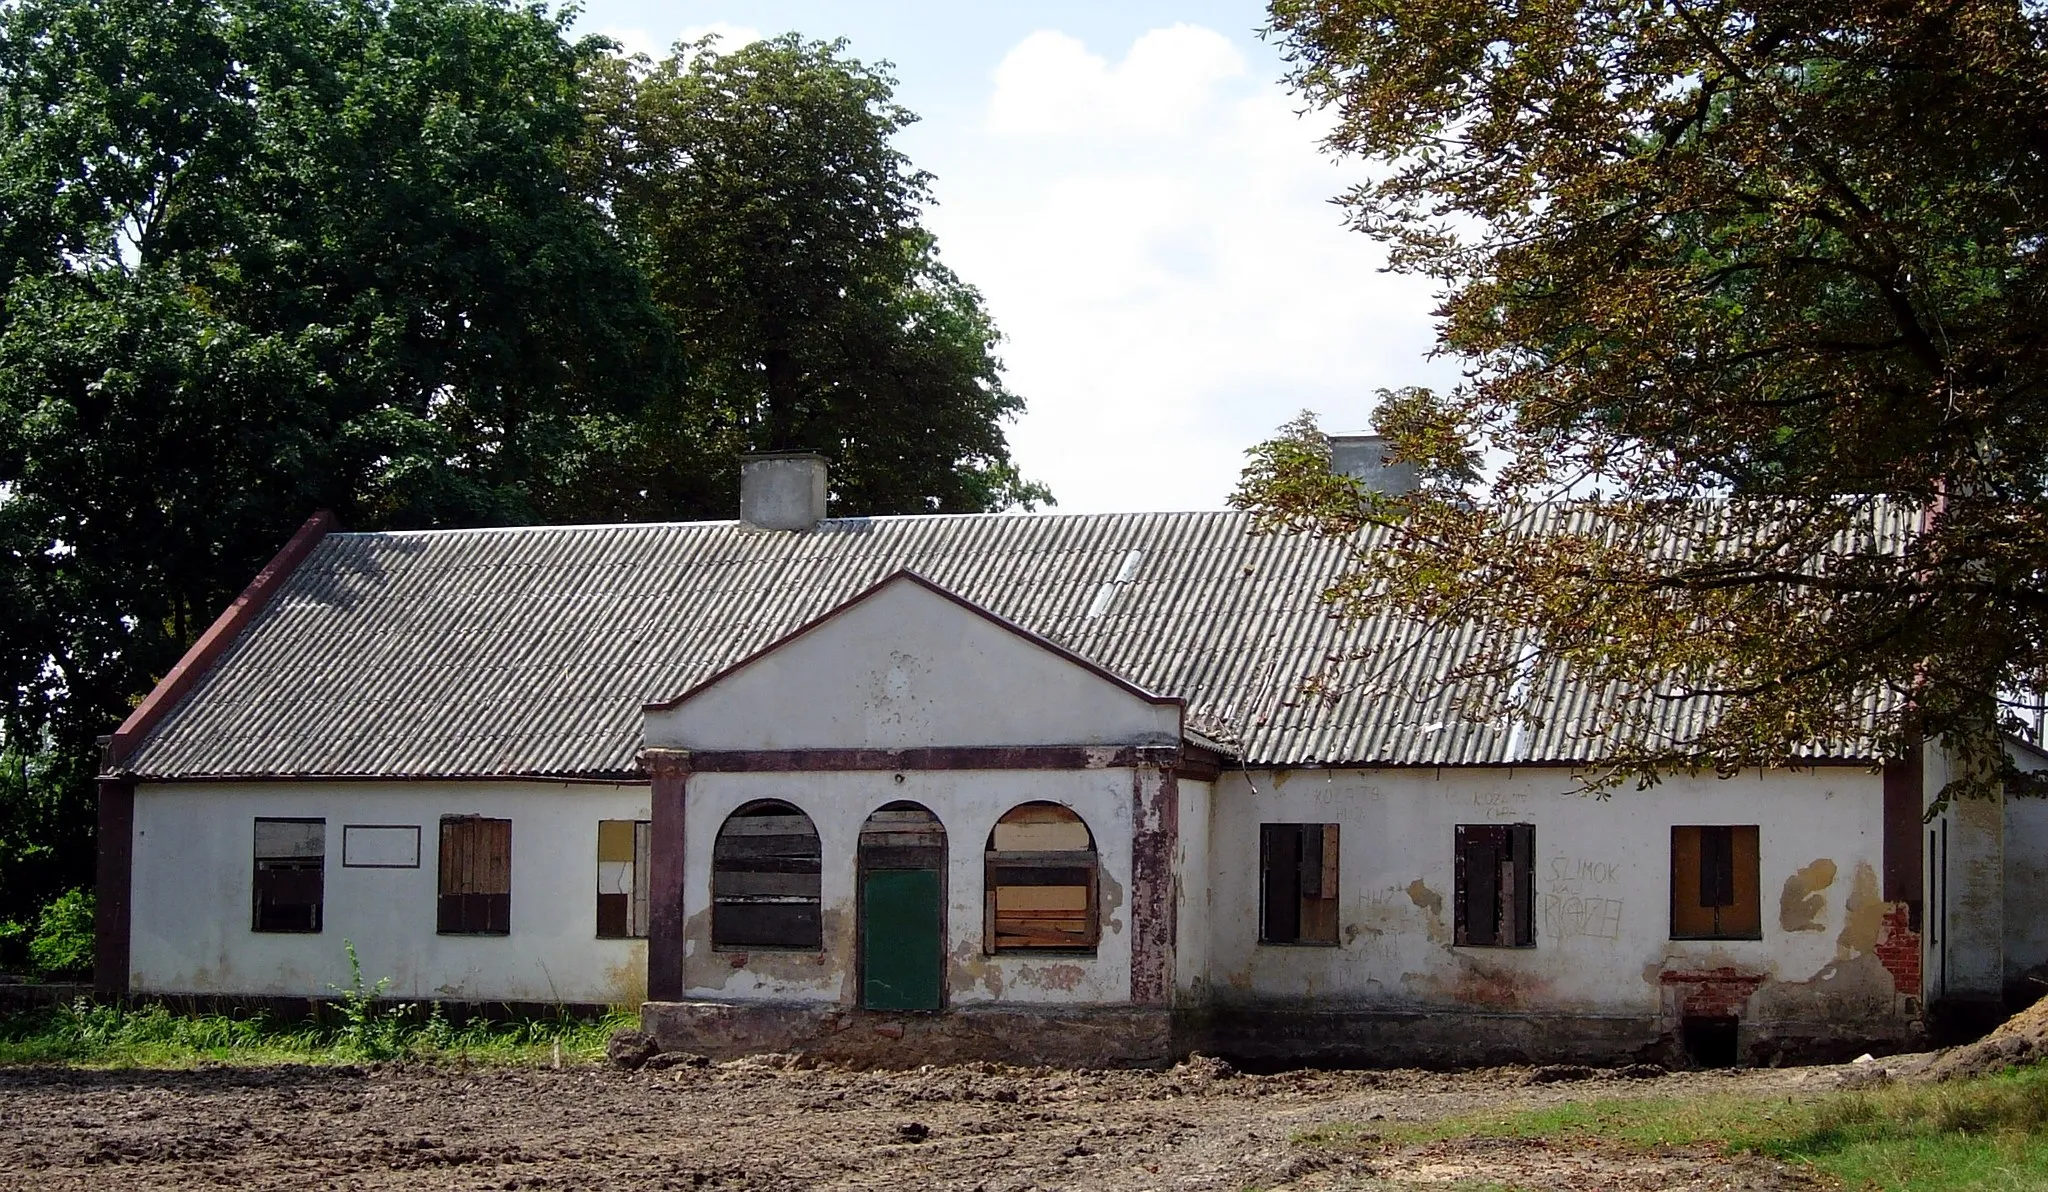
{"points": [[1863, 916], [1053, 976], [1432, 904], [1801, 904], [627, 979]]}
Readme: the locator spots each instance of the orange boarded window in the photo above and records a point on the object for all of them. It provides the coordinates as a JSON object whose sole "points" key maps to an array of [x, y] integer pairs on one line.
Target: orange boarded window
{"points": [[1041, 877], [1714, 891]]}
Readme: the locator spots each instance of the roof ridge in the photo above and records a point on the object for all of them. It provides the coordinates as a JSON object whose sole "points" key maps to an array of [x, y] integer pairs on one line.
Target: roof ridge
{"points": [[875, 517]]}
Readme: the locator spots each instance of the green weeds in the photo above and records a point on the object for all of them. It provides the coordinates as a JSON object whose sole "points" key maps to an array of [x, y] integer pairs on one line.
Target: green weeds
{"points": [[156, 1037], [1984, 1135]]}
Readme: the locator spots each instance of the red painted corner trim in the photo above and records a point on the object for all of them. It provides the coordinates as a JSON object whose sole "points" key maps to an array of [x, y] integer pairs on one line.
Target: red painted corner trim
{"points": [[215, 641]]}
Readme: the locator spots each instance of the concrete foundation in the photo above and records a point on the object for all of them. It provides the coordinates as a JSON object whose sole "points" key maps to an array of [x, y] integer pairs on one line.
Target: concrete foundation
{"points": [[1124, 1037], [1080, 1037]]}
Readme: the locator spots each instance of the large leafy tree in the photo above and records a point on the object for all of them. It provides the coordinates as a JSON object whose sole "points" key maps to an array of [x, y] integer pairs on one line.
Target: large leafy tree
{"points": [[779, 225], [258, 258], [1750, 298]]}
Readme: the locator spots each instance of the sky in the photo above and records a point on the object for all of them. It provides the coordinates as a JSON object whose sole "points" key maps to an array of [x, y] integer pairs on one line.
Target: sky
{"points": [[1147, 213]]}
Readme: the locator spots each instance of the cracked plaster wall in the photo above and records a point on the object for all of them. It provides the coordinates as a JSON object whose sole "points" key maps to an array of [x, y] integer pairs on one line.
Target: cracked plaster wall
{"points": [[968, 803], [1602, 884], [194, 862]]}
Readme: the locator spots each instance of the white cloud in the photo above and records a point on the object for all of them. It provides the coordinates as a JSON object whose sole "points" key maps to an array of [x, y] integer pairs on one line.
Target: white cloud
{"points": [[1156, 239], [1050, 83], [640, 41]]}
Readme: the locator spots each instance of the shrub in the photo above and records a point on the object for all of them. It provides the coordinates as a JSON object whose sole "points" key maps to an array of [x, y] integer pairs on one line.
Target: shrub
{"points": [[64, 936]]}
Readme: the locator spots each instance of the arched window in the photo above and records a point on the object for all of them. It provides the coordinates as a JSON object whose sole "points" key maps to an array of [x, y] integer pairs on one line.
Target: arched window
{"points": [[764, 880], [1041, 877]]}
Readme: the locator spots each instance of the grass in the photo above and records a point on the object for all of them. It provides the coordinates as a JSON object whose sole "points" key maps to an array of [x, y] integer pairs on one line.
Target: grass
{"points": [[86, 1034], [1984, 1135]]}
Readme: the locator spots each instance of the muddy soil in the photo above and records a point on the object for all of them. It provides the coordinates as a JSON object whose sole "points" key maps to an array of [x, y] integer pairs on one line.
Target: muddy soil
{"points": [[775, 1124]]}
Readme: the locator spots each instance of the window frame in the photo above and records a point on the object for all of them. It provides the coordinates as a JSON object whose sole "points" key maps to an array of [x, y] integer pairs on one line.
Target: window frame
{"points": [[638, 902], [996, 861], [721, 943], [461, 923], [1512, 879], [261, 865], [1328, 839], [1739, 835]]}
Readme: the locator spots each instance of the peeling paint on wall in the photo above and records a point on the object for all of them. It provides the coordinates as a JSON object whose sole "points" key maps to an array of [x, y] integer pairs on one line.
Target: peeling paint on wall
{"points": [[1432, 904], [1801, 905]]}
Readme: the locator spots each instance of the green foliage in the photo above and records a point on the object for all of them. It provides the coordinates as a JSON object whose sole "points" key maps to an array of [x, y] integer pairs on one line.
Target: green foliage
{"points": [[63, 942], [366, 1030], [1782, 255], [1987, 1134], [779, 223], [393, 258], [152, 1036]]}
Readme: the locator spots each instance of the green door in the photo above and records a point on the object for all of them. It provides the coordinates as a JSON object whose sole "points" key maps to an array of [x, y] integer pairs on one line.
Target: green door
{"points": [[899, 939]]}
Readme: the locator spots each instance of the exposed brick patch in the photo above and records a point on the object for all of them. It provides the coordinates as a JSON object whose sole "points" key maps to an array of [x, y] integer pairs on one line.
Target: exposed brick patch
{"points": [[1712, 993], [1898, 947]]}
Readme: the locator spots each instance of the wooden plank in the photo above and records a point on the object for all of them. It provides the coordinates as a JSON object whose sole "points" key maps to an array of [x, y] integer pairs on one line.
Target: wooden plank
{"points": [[1330, 855], [1042, 837], [615, 840], [1041, 898], [769, 825], [744, 884]]}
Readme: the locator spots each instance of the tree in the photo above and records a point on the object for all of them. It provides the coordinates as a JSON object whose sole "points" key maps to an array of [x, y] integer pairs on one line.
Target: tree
{"points": [[259, 258], [779, 225], [1750, 301]]}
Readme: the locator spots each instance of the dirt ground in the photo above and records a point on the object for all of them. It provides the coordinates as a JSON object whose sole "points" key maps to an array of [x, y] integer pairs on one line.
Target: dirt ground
{"points": [[775, 1124]]}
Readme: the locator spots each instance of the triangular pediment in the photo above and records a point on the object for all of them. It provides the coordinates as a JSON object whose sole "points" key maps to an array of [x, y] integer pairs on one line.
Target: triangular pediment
{"points": [[907, 665]]}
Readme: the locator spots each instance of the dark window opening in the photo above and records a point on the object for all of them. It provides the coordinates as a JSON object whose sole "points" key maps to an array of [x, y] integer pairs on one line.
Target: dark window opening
{"points": [[1711, 1042], [765, 874], [622, 872], [1714, 886], [289, 888], [1298, 883], [476, 877], [1496, 885], [1040, 876]]}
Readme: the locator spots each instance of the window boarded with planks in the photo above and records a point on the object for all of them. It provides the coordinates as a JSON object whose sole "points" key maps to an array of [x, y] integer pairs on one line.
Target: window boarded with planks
{"points": [[622, 850], [476, 876], [1298, 883], [1714, 887], [1040, 875], [289, 886], [1496, 885], [765, 881]]}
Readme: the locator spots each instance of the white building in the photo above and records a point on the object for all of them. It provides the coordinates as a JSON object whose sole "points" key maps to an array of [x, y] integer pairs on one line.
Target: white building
{"points": [[1031, 786]]}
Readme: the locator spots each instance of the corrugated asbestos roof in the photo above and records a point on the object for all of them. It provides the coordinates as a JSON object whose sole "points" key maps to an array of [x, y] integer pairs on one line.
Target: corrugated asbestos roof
{"points": [[531, 651]]}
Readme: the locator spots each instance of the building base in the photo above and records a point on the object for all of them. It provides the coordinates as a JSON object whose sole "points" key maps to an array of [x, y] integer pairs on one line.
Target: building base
{"points": [[1066, 1036]]}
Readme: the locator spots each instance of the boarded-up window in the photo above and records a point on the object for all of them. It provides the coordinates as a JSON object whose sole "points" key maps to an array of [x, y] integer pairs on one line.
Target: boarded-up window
{"points": [[290, 880], [476, 876], [622, 878], [1041, 874], [764, 881], [1496, 882], [1714, 889], [1298, 883]]}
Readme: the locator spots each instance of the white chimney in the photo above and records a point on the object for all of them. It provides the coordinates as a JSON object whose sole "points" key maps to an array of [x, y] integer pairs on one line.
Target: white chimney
{"points": [[782, 490], [1364, 458]]}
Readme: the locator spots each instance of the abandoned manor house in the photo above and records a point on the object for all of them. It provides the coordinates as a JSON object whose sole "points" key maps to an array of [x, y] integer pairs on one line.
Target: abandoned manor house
{"points": [[1033, 787]]}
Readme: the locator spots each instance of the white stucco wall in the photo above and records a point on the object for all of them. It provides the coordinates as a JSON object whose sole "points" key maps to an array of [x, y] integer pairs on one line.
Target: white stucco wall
{"points": [[1966, 891], [193, 866], [968, 803], [1602, 878], [2026, 880], [907, 668]]}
